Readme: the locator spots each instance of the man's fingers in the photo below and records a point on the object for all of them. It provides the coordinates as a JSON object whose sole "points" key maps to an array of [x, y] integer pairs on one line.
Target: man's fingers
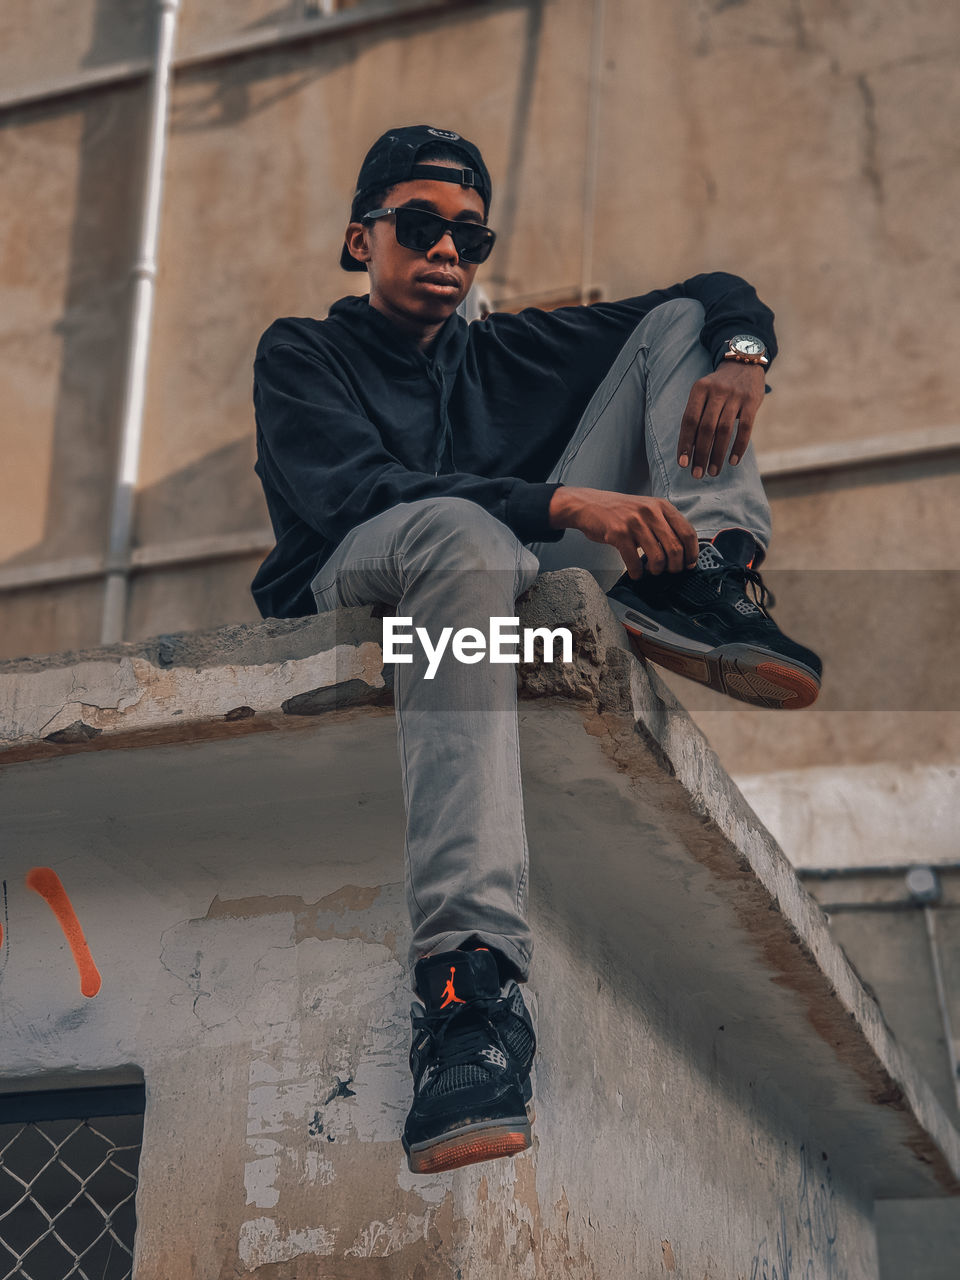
{"points": [[705, 437], [643, 527], [649, 543], [673, 550], [667, 539], [686, 534], [630, 556], [721, 441], [743, 438], [645, 539], [716, 402], [689, 423]]}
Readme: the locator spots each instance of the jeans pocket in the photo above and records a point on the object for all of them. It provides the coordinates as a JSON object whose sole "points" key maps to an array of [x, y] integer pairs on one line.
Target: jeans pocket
{"points": [[325, 593]]}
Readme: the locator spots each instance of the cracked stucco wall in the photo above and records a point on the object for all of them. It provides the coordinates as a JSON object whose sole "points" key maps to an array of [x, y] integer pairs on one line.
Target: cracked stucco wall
{"points": [[272, 1030], [715, 1089]]}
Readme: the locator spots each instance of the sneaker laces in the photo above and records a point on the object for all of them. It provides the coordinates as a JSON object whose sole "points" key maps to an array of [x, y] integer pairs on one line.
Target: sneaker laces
{"points": [[714, 568], [459, 1043]]}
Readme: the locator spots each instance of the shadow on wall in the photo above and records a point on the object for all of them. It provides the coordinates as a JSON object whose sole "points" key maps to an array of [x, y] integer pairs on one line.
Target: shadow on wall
{"points": [[93, 142], [95, 303], [96, 306], [102, 245], [230, 100], [78, 258]]}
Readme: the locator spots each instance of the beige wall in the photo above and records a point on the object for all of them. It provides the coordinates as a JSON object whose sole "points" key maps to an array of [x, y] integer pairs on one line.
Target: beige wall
{"points": [[46, 42], [811, 147], [65, 251]]}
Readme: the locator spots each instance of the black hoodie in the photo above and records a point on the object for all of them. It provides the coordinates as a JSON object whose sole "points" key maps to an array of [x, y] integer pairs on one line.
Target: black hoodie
{"points": [[353, 418]]}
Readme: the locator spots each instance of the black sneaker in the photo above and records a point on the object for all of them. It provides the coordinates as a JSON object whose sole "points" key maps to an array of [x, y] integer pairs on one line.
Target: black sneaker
{"points": [[473, 1047], [702, 624]]}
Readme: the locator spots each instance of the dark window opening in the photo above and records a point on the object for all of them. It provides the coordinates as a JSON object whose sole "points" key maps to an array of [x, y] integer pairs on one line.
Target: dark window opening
{"points": [[68, 1182]]}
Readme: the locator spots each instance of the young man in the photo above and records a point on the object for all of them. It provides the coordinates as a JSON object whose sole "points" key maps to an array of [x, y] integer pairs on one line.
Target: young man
{"points": [[415, 462]]}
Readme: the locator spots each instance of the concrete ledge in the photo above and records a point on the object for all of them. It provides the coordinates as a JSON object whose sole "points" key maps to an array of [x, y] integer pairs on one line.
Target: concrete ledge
{"points": [[683, 972], [252, 677], [190, 686]]}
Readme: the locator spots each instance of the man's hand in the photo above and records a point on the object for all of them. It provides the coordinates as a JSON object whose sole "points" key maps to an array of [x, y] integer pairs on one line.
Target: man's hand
{"points": [[717, 401], [631, 524]]}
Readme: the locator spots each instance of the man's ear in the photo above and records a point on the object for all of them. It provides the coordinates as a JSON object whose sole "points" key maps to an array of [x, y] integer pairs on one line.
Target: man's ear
{"points": [[357, 242]]}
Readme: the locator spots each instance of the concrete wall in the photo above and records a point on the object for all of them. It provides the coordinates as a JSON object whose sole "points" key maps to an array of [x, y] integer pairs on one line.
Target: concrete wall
{"points": [[908, 952], [268, 1014], [809, 146], [717, 1094], [805, 145]]}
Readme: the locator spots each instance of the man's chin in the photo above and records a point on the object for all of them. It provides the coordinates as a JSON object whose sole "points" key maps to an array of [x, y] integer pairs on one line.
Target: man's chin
{"points": [[434, 310]]}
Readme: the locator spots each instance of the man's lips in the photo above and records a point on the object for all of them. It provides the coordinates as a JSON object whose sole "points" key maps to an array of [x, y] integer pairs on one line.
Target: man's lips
{"points": [[440, 278]]}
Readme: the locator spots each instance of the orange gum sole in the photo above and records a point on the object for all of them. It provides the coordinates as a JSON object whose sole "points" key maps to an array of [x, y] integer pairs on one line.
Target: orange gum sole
{"points": [[805, 688], [694, 667], [457, 1154]]}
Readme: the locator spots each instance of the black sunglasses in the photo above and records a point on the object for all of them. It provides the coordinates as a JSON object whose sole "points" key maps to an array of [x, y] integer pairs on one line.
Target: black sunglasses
{"points": [[419, 230]]}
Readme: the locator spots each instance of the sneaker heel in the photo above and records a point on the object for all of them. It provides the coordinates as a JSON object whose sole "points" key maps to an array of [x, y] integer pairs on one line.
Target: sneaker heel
{"points": [[457, 1152]]}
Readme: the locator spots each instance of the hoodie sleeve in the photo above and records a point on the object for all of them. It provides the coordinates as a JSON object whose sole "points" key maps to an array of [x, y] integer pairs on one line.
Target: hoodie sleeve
{"points": [[730, 305], [328, 461], [586, 339]]}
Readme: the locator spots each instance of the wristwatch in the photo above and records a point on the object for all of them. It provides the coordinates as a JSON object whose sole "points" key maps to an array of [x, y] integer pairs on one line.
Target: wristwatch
{"points": [[747, 349]]}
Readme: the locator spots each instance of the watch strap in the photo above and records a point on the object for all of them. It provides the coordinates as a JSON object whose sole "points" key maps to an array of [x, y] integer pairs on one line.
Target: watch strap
{"points": [[742, 359]]}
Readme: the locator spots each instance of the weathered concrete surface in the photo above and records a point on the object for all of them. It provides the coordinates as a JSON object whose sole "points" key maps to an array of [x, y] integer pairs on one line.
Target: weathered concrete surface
{"points": [[880, 815], [918, 1239], [170, 689], [716, 1090], [884, 931], [55, 39], [67, 239], [891, 951]]}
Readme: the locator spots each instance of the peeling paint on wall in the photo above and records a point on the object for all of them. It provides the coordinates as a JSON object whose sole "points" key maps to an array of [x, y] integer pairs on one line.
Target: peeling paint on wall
{"points": [[379, 1239], [327, 1076], [262, 1241]]}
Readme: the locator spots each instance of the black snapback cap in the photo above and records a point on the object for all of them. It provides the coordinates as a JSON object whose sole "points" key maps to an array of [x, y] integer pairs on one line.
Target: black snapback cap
{"points": [[393, 159]]}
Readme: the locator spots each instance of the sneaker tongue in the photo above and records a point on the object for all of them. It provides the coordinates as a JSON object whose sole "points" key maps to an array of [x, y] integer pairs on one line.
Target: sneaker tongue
{"points": [[737, 545], [454, 977]]}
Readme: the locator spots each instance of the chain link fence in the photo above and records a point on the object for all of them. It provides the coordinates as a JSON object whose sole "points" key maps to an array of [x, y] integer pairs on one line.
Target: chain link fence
{"points": [[68, 1181]]}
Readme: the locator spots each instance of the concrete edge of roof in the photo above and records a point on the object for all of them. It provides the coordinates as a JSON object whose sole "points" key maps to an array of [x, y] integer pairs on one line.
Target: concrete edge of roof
{"points": [[280, 674]]}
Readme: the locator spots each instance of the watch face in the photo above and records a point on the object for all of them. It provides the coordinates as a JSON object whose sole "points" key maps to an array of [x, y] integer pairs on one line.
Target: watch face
{"points": [[747, 346]]}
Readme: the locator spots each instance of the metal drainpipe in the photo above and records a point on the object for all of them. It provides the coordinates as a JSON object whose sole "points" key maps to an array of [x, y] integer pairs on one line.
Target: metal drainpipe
{"points": [[143, 274], [593, 147]]}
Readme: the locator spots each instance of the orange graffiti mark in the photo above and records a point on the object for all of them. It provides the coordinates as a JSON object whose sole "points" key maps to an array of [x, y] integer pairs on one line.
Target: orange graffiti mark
{"points": [[46, 882]]}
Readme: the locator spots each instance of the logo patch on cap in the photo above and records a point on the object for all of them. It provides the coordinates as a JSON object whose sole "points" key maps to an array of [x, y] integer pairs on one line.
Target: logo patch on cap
{"points": [[444, 133]]}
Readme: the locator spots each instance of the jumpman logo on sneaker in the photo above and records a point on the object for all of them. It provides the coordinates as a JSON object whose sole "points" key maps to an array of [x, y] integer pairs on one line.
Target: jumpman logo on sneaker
{"points": [[449, 995]]}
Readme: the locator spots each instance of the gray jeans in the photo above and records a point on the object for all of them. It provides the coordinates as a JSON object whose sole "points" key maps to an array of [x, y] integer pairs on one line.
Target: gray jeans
{"points": [[447, 562]]}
